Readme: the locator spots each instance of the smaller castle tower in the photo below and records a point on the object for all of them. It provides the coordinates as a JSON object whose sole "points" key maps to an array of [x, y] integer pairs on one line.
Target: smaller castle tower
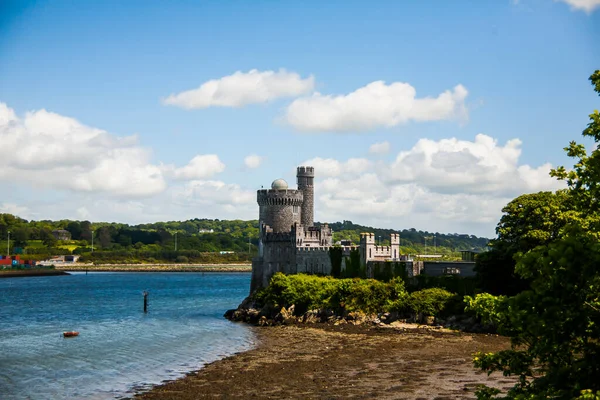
{"points": [[395, 246], [306, 177], [367, 247]]}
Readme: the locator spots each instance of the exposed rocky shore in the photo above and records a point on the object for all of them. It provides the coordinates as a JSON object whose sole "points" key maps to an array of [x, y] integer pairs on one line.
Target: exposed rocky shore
{"points": [[252, 313], [325, 361], [318, 354]]}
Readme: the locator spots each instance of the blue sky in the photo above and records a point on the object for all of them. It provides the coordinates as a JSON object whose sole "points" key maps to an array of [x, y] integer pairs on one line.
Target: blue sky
{"points": [[89, 130]]}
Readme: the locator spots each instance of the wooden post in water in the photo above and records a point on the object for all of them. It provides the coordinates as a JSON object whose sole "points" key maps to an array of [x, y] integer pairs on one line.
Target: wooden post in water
{"points": [[145, 301]]}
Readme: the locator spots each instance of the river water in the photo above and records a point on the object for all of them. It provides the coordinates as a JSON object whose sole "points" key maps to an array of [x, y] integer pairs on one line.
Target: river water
{"points": [[120, 349]]}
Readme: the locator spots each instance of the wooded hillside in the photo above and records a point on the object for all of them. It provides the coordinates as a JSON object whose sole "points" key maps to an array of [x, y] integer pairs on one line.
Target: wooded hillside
{"points": [[196, 240]]}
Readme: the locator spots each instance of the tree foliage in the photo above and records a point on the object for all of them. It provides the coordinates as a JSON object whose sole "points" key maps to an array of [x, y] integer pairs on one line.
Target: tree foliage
{"points": [[528, 221], [554, 326]]}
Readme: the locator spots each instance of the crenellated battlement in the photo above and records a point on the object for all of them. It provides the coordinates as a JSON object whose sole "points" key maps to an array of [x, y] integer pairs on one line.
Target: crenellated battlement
{"points": [[305, 171], [269, 236], [324, 249], [288, 197]]}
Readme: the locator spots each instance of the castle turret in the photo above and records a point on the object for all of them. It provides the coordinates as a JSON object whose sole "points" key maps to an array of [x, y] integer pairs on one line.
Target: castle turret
{"points": [[279, 207], [306, 177], [367, 247]]}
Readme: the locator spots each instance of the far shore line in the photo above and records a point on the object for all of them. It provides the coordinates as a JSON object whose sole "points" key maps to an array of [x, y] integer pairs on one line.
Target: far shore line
{"points": [[160, 267]]}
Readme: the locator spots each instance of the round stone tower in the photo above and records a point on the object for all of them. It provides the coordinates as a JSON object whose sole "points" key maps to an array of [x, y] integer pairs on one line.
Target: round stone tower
{"points": [[306, 177], [279, 207]]}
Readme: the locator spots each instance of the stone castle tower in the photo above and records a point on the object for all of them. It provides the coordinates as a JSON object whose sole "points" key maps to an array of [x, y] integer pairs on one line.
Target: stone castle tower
{"points": [[288, 240], [305, 177]]}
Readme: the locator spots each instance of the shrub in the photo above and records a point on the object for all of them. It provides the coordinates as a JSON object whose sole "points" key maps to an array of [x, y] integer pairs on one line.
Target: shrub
{"points": [[366, 295], [340, 295], [431, 301], [182, 260], [304, 291]]}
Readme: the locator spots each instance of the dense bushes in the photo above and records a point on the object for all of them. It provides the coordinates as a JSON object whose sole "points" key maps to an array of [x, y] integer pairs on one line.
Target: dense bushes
{"points": [[307, 292], [431, 301]]}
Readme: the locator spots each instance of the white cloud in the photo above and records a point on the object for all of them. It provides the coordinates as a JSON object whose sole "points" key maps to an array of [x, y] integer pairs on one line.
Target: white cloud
{"points": [[448, 185], [243, 88], [481, 166], [253, 161], [329, 167], [380, 148], [372, 106], [200, 167], [57, 168], [49, 150], [12, 208], [586, 5], [222, 198]]}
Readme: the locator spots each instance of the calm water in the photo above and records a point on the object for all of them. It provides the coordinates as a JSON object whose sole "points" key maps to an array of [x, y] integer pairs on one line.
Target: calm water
{"points": [[120, 349]]}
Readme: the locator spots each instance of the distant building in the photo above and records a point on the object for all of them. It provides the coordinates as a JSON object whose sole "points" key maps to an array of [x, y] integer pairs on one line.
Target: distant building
{"points": [[206, 231], [61, 234]]}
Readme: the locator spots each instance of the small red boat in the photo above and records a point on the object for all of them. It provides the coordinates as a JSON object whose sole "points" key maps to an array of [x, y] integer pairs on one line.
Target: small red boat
{"points": [[70, 334]]}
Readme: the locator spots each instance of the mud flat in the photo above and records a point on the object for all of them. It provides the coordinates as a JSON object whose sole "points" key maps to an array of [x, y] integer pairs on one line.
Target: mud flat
{"points": [[323, 361]]}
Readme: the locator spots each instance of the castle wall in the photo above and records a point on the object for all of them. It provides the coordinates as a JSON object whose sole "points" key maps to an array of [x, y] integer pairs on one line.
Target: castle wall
{"points": [[313, 260], [313, 237], [369, 251]]}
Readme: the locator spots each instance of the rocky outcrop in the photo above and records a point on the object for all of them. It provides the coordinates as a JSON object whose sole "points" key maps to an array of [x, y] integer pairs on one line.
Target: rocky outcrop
{"points": [[268, 315]]}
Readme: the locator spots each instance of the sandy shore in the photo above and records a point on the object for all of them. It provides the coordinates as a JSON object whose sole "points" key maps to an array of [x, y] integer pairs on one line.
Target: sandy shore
{"points": [[346, 361]]}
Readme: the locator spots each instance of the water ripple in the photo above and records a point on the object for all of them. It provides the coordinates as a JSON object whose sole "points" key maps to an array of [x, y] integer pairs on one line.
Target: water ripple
{"points": [[120, 349]]}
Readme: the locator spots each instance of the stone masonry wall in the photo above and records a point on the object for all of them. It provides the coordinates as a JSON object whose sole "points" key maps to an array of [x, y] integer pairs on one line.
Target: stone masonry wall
{"points": [[313, 260], [279, 209]]}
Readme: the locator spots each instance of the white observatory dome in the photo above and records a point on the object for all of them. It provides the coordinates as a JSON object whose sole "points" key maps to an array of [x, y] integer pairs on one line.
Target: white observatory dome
{"points": [[279, 184]]}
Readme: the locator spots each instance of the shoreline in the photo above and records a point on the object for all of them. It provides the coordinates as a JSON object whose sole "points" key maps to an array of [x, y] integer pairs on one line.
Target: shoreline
{"points": [[22, 273], [297, 361], [79, 267]]}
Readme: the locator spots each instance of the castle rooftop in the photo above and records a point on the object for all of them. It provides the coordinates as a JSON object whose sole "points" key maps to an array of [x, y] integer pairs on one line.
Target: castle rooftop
{"points": [[279, 184]]}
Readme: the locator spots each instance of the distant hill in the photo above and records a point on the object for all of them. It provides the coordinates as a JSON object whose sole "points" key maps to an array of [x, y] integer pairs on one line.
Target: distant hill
{"points": [[193, 239], [412, 238]]}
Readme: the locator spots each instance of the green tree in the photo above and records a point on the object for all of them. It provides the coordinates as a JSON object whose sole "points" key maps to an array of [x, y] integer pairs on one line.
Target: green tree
{"points": [[528, 221], [555, 325], [20, 236], [47, 237], [104, 237], [75, 228]]}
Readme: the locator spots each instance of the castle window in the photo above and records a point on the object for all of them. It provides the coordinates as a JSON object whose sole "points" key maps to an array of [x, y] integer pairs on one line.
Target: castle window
{"points": [[369, 253], [295, 209]]}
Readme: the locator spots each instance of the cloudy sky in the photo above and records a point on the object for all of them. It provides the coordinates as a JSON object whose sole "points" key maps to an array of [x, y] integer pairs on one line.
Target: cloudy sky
{"points": [[427, 114]]}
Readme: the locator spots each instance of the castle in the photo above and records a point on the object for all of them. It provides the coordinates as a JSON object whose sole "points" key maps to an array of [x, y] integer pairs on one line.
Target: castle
{"points": [[290, 243]]}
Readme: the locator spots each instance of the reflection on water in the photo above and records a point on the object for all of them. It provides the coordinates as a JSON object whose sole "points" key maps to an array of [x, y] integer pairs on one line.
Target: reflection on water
{"points": [[119, 347]]}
